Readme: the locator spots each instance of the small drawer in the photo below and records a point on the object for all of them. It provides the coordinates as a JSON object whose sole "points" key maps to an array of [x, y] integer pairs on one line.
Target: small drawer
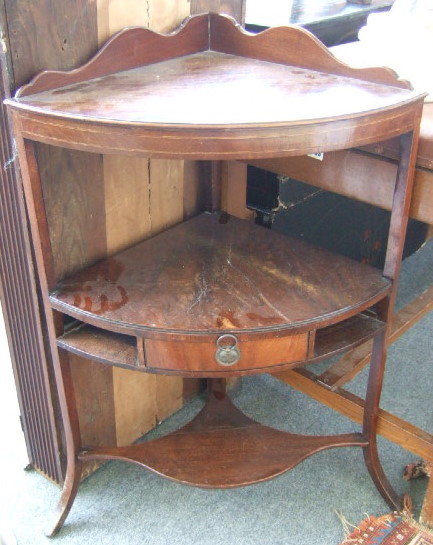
{"points": [[224, 353]]}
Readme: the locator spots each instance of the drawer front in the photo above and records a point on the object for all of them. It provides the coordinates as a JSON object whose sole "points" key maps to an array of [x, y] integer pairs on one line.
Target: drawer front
{"points": [[225, 353]]}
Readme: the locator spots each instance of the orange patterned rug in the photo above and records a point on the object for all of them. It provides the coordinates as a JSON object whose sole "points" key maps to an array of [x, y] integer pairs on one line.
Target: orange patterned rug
{"points": [[392, 529]]}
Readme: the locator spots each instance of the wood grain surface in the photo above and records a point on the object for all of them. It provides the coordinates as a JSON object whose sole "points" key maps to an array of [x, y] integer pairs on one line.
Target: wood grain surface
{"points": [[216, 273], [223, 448], [148, 94]]}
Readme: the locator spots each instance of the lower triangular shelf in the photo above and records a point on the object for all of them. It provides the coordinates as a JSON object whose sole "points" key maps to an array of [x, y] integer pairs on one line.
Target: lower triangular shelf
{"points": [[222, 448]]}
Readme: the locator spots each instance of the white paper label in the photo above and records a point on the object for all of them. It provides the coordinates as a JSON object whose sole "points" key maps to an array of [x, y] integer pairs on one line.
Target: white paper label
{"points": [[318, 156]]}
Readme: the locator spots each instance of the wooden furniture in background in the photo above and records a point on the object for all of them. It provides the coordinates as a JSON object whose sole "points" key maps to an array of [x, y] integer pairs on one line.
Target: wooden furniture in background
{"points": [[332, 21], [213, 296]]}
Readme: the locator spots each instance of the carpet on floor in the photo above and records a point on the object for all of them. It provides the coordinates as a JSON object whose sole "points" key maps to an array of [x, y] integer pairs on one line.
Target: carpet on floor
{"points": [[390, 529]]}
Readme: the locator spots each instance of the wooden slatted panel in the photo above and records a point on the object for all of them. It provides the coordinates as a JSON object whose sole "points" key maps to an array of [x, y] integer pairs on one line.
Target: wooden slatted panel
{"points": [[20, 308], [60, 45]]}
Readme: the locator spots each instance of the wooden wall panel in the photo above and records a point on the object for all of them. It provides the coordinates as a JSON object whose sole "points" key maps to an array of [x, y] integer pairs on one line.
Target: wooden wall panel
{"points": [[73, 186], [160, 15], [194, 189], [44, 34], [113, 15], [166, 193], [167, 15], [234, 8], [169, 396], [95, 401], [234, 190], [135, 404], [126, 193], [142, 197]]}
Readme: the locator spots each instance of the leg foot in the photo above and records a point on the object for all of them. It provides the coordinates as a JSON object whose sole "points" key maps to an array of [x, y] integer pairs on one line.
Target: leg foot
{"points": [[371, 409], [67, 498], [375, 469]]}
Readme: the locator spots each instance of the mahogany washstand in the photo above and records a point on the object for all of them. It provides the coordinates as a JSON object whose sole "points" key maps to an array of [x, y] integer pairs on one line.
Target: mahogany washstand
{"points": [[216, 296]]}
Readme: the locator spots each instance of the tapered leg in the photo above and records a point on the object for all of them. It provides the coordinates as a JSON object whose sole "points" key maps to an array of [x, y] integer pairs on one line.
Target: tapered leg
{"points": [[73, 444], [47, 276], [396, 236], [371, 455], [70, 488]]}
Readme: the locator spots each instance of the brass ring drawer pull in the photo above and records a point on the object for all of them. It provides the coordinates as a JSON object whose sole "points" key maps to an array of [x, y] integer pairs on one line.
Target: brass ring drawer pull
{"points": [[227, 352]]}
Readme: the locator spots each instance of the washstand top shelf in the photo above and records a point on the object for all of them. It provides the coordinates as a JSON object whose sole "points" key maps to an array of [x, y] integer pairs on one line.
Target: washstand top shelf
{"points": [[213, 91]]}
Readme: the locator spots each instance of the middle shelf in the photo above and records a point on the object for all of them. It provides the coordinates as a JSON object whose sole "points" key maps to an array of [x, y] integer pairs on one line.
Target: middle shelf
{"points": [[214, 283]]}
